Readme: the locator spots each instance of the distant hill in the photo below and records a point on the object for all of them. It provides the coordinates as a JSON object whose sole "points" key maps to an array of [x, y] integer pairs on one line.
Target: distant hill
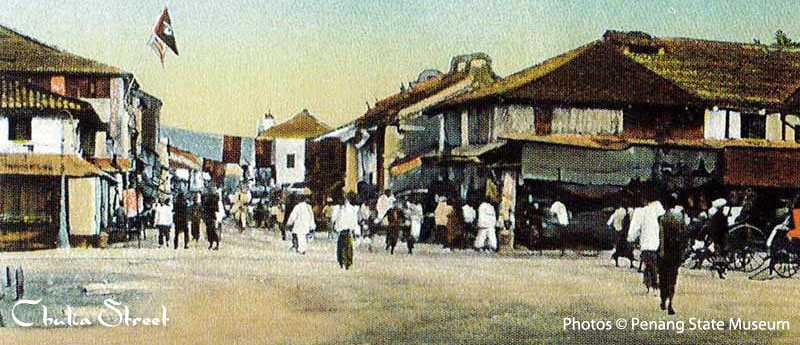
{"points": [[205, 145]]}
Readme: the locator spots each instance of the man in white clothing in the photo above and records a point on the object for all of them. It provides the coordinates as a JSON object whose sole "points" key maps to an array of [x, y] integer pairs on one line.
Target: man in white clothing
{"points": [[345, 223], [487, 222], [302, 222], [163, 221], [416, 215], [647, 228], [559, 212], [385, 202]]}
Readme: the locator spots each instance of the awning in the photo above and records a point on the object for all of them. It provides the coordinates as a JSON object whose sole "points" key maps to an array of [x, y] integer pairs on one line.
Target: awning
{"points": [[476, 150], [587, 166], [48, 165], [406, 166], [759, 167], [111, 165]]}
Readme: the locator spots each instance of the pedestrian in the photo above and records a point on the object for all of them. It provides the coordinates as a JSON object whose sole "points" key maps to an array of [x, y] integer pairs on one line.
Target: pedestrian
{"points": [[454, 230], [646, 229], [345, 223], [197, 212], [301, 220], [365, 234], [561, 216], [468, 215], [239, 208], [210, 204], [440, 215], [181, 218], [617, 222], [394, 228], [163, 221], [718, 235], [487, 222], [327, 217], [673, 242], [260, 214], [416, 216]]}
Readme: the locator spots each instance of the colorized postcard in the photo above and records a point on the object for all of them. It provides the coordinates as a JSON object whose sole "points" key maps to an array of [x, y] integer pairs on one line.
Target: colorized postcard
{"points": [[410, 172]]}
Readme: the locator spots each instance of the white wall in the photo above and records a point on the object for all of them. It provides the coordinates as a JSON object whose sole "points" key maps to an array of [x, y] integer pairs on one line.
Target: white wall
{"points": [[46, 135], [284, 147], [714, 124], [774, 127], [587, 121]]}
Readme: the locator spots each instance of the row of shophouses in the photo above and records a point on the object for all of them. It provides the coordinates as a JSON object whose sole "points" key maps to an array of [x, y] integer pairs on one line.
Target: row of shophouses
{"points": [[626, 116], [65, 115]]}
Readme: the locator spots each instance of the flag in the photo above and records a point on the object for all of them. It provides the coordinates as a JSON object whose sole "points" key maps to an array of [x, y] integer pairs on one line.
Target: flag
{"points": [[158, 47], [163, 31]]}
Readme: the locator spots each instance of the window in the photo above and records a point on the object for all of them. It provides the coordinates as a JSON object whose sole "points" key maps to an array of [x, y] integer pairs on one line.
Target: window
{"points": [[754, 126], [480, 125], [290, 161], [19, 128]]}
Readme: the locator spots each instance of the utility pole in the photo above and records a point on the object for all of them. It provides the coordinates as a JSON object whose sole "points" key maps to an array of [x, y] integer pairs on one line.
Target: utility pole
{"points": [[63, 237]]}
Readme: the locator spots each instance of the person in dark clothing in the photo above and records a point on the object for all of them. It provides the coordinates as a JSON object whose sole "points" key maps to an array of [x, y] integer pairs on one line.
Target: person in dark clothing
{"points": [[291, 201], [197, 215], [674, 241], [396, 221], [210, 207], [181, 220]]}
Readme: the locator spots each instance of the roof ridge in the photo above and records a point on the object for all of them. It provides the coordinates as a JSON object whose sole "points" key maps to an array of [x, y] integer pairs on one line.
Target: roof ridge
{"points": [[35, 41], [59, 50]]}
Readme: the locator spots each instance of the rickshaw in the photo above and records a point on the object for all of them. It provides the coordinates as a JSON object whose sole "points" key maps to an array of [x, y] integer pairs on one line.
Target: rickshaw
{"points": [[744, 247], [784, 247]]}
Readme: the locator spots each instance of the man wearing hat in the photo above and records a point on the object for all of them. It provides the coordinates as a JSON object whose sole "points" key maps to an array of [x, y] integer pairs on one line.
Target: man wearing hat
{"points": [[301, 220]]}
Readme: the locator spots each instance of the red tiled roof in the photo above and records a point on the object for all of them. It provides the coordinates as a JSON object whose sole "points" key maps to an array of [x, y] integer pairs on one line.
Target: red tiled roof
{"points": [[681, 71], [22, 54]]}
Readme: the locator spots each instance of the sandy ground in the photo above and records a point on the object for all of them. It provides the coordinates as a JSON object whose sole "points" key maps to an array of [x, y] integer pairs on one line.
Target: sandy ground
{"points": [[254, 290]]}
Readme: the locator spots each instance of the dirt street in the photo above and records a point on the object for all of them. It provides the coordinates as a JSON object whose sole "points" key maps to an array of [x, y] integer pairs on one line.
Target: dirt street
{"points": [[254, 290]]}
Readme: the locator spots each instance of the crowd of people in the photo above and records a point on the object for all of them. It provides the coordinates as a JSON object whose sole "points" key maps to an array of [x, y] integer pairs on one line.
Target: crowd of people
{"points": [[184, 215], [665, 237]]}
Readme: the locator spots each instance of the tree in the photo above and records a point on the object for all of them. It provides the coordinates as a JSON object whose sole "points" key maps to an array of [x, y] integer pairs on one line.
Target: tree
{"points": [[782, 40]]}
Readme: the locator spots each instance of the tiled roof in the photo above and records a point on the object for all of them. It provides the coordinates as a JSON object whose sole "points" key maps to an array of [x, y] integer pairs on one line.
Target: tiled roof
{"points": [[22, 54], [676, 71], [387, 108], [521, 78], [723, 72], [301, 126]]}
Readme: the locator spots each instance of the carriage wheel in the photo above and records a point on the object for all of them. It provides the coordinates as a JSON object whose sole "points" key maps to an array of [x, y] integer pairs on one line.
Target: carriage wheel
{"points": [[787, 264], [747, 247], [753, 261]]}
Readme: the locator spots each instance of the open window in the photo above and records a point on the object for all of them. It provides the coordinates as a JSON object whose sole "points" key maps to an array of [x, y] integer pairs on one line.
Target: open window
{"points": [[290, 161], [754, 126], [19, 128]]}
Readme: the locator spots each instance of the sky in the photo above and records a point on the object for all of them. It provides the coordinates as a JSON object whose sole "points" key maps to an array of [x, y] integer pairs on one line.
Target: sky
{"points": [[241, 58]]}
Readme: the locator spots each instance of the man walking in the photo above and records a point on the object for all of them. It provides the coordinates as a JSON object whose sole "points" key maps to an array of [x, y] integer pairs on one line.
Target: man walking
{"points": [[163, 221], [196, 217], [647, 229], [487, 222], [302, 222], [345, 223], [181, 221], [210, 208]]}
